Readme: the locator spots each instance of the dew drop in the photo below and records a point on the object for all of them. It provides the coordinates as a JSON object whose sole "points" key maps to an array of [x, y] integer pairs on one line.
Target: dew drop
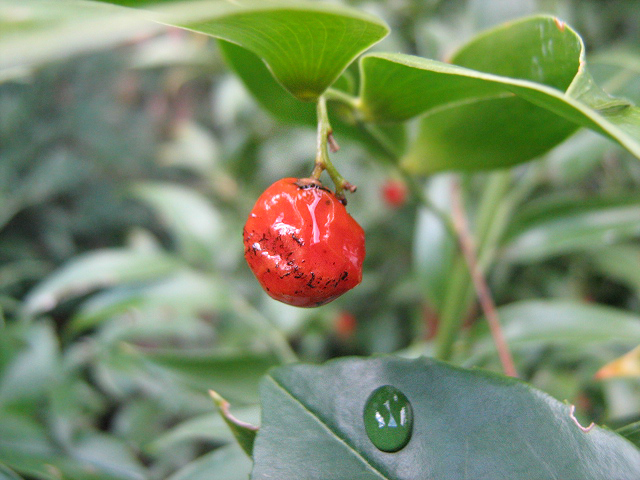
{"points": [[388, 419]]}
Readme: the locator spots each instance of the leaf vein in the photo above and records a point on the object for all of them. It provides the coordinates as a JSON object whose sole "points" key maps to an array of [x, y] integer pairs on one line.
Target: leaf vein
{"points": [[326, 427]]}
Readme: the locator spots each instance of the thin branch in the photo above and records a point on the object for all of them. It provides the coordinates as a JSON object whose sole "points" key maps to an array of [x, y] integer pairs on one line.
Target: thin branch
{"points": [[480, 284]]}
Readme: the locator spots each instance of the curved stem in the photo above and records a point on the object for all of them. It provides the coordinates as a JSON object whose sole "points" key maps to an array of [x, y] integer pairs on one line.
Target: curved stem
{"points": [[339, 96], [323, 162]]}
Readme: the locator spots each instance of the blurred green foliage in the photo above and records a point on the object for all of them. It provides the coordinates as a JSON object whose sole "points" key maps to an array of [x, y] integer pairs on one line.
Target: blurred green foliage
{"points": [[126, 175]]}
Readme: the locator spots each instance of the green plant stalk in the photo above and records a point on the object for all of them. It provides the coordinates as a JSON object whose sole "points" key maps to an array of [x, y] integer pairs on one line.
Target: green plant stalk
{"points": [[323, 162], [460, 292]]}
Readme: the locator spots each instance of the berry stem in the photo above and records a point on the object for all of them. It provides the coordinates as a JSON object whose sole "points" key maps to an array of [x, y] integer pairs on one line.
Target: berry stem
{"points": [[323, 162]]}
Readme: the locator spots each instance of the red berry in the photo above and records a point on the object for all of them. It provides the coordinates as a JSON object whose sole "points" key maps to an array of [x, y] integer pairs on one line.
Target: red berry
{"points": [[394, 193], [345, 325], [302, 245]]}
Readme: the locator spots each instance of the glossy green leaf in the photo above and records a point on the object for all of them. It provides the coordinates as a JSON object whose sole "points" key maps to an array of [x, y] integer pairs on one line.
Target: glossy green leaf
{"points": [[565, 224], [97, 269], [307, 45], [467, 424], [514, 93], [538, 323], [244, 433]]}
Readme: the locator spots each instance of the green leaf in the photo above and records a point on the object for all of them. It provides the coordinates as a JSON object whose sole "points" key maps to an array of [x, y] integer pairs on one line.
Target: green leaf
{"points": [[7, 474], [226, 463], [273, 97], [467, 424], [235, 376], [516, 92], [211, 427], [185, 294], [306, 45], [25, 446], [192, 221], [43, 30], [29, 371], [563, 224], [538, 323], [618, 262], [257, 78], [631, 432], [97, 269], [244, 433]]}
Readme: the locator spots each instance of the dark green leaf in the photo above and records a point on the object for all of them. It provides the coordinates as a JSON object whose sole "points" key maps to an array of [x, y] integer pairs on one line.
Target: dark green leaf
{"points": [[467, 424]]}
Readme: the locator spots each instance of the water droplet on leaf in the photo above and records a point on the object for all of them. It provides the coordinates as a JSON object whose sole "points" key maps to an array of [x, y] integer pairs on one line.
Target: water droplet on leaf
{"points": [[388, 419]]}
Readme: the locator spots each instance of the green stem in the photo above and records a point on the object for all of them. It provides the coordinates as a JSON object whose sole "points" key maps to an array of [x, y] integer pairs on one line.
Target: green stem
{"points": [[323, 162], [342, 97]]}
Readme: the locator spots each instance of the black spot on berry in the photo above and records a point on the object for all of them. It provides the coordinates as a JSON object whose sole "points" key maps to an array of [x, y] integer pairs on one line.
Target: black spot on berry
{"points": [[310, 282]]}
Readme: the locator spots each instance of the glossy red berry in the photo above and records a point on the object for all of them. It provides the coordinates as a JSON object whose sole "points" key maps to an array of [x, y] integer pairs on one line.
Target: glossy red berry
{"points": [[302, 245]]}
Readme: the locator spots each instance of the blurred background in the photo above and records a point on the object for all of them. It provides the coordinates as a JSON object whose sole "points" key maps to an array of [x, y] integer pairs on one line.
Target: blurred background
{"points": [[126, 175]]}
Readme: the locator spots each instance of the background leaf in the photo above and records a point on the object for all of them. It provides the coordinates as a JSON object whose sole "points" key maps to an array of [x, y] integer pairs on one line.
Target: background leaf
{"points": [[563, 224], [226, 463], [467, 423], [98, 269], [569, 324], [234, 376]]}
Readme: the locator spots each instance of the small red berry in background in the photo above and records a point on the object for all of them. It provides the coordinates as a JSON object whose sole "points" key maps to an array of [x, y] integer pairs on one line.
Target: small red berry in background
{"points": [[394, 193], [345, 325], [302, 245]]}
